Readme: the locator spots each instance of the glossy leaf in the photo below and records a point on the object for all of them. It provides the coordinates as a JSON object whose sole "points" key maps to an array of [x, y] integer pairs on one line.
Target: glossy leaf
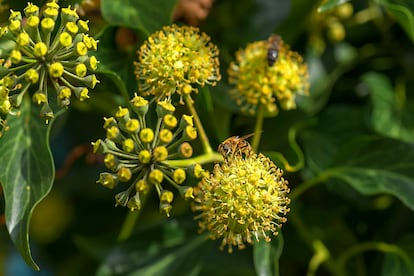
{"points": [[403, 11], [27, 172], [145, 16], [373, 165], [389, 115], [118, 70], [162, 259], [330, 4]]}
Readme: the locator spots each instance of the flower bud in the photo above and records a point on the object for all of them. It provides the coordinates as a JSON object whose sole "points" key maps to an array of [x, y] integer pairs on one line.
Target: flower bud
{"points": [[108, 180], [185, 150], [142, 186], [179, 176], [134, 203], [146, 135], [144, 156], [156, 176], [160, 153], [139, 105], [124, 174]]}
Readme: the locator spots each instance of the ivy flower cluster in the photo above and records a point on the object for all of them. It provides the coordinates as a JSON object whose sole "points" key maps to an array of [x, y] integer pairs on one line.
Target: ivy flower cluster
{"points": [[50, 54], [243, 200], [174, 59], [137, 154], [259, 84]]}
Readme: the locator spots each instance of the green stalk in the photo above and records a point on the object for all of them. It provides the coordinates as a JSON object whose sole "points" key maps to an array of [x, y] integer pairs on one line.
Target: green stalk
{"points": [[258, 128], [202, 134], [131, 220]]}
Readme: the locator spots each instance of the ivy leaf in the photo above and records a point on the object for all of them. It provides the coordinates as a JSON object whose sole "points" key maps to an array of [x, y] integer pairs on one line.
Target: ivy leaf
{"points": [[330, 4], [403, 11], [116, 70], [27, 173], [146, 16], [376, 165], [389, 116], [134, 258]]}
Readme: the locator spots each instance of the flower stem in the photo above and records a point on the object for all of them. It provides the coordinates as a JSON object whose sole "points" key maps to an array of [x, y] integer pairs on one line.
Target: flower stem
{"points": [[203, 136], [258, 128], [131, 220], [319, 179], [368, 246], [200, 159], [292, 133], [128, 226]]}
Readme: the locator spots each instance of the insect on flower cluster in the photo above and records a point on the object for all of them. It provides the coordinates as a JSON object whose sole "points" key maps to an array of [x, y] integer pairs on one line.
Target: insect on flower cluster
{"points": [[244, 199]]}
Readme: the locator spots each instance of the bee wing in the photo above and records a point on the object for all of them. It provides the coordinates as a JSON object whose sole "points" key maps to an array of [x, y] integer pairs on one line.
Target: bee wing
{"points": [[244, 137]]}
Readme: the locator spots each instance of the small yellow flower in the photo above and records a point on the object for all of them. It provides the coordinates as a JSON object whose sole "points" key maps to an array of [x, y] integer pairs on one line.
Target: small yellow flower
{"points": [[259, 84], [242, 201], [174, 59]]}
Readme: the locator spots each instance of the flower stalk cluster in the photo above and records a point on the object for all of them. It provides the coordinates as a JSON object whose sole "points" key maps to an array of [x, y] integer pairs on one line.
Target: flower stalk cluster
{"points": [[50, 54], [138, 154], [174, 59], [243, 200], [259, 83]]}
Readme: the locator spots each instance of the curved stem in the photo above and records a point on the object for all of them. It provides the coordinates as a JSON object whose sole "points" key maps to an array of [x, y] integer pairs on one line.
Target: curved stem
{"points": [[369, 246], [258, 128], [319, 179], [295, 147], [316, 244], [128, 225], [203, 136]]}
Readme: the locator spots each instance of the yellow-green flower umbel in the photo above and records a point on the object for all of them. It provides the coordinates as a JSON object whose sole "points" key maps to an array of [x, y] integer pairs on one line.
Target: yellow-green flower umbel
{"points": [[49, 54], [138, 154], [243, 200], [175, 59], [266, 72]]}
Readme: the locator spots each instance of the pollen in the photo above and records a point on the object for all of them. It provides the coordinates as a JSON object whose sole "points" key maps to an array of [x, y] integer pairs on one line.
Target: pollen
{"points": [[258, 83], [242, 201], [174, 60]]}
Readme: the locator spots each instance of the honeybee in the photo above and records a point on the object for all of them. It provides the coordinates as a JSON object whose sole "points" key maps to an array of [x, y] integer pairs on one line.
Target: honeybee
{"points": [[235, 145], [272, 49]]}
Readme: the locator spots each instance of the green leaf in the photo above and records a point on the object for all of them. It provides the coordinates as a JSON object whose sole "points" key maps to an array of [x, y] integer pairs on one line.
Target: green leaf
{"points": [[158, 259], [389, 117], [403, 11], [401, 262], [146, 16], [118, 70], [266, 256], [330, 4], [27, 172], [373, 165]]}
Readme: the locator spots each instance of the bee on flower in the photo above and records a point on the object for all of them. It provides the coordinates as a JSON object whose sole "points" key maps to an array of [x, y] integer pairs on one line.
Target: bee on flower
{"points": [[265, 73], [243, 200]]}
